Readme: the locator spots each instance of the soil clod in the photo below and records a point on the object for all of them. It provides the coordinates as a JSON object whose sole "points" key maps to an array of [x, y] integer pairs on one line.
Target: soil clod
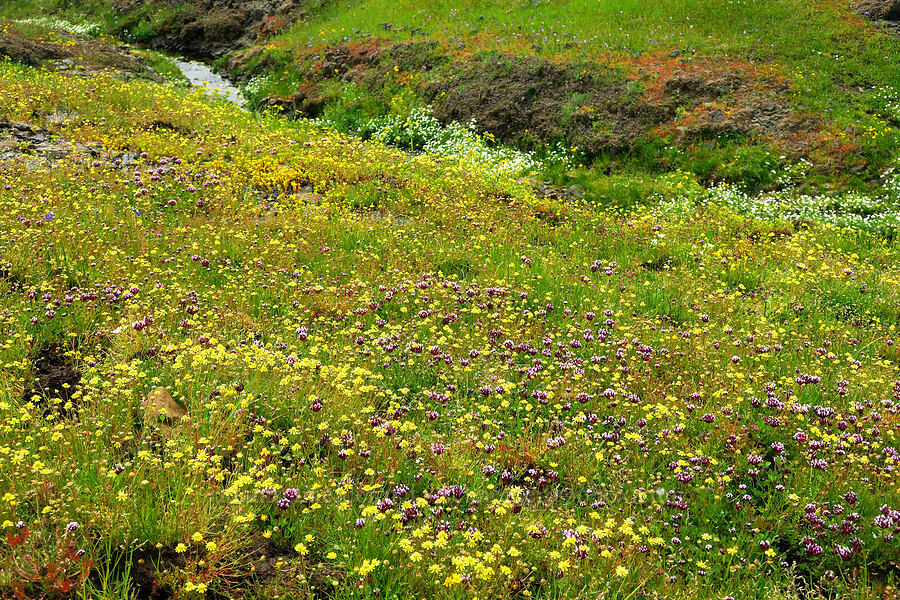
{"points": [[56, 379]]}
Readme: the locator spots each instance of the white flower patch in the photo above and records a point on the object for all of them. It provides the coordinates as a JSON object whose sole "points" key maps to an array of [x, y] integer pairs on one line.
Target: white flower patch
{"points": [[83, 27], [421, 131]]}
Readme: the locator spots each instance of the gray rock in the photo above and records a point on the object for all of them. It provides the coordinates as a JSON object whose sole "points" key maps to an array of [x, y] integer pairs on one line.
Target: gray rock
{"points": [[888, 10], [575, 192], [57, 152]]}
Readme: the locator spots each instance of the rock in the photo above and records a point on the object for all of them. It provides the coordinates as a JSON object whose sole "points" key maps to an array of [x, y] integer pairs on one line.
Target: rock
{"points": [[160, 409], [57, 152], [674, 54], [24, 140], [576, 192], [305, 103], [856, 169], [887, 10]]}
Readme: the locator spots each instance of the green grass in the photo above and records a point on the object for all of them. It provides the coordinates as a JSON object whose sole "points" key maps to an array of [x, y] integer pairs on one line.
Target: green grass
{"points": [[165, 66], [822, 46], [834, 61], [835, 65]]}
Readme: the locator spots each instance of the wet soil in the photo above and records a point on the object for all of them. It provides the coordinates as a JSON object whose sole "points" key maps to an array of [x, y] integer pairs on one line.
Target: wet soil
{"points": [[205, 28], [55, 378], [265, 564], [146, 564]]}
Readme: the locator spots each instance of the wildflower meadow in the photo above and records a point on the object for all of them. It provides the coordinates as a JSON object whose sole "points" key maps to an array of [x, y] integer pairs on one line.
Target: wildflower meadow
{"points": [[243, 356]]}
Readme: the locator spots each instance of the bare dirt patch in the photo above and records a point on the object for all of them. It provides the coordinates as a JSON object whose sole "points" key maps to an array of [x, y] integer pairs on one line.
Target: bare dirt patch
{"points": [[528, 101], [531, 102], [888, 10], [55, 378], [211, 28], [79, 55], [28, 52]]}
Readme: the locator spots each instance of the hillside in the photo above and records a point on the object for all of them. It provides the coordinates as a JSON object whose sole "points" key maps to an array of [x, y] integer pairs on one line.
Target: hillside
{"points": [[376, 354], [728, 92]]}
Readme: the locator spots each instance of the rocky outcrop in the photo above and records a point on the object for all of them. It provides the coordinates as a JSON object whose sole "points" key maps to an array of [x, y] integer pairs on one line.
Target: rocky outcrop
{"points": [[19, 139], [161, 410], [884, 10], [306, 102], [34, 147]]}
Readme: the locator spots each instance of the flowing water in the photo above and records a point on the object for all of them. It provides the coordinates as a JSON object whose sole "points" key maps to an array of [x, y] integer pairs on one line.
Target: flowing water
{"points": [[201, 76]]}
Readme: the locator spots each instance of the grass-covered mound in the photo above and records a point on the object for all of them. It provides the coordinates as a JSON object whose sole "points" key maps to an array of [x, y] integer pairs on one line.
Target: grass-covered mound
{"points": [[638, 86]]}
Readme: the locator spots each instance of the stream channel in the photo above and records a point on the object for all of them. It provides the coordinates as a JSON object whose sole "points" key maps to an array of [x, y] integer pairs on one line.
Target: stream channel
{"points": [[201, 76]]}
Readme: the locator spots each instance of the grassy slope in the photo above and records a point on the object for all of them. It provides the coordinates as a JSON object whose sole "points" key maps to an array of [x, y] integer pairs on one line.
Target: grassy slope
{"points": [[681, 471], [835, 61], [833, 50], [822, 38], [840, 68], [356, 350], [825, 48]]}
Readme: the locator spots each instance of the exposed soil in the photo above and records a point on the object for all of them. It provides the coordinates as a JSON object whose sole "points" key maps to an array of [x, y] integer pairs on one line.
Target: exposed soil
{"points": [[79, 55], [764, 116], [55, 377], [145, 565], [530, 102], [208, 28], [96, 56], [526, 100], [28, 52], [263, 566], [320, 579]]}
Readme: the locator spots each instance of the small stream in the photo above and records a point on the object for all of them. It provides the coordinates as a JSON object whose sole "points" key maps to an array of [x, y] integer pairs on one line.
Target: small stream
{"points": [[201, 76]]}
